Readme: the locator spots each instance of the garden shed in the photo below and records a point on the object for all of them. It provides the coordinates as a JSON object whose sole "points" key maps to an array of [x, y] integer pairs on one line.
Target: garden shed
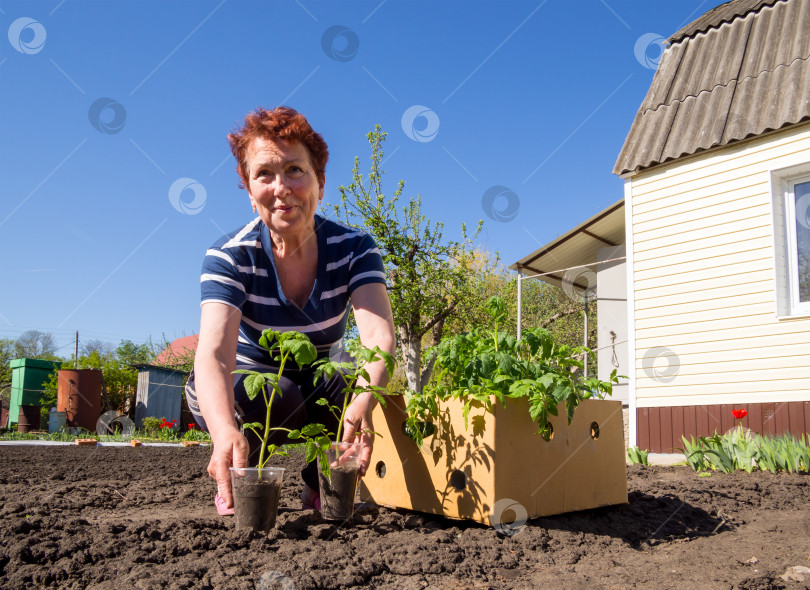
{"points": [[160, 393], [716, 170], [28, 377]]}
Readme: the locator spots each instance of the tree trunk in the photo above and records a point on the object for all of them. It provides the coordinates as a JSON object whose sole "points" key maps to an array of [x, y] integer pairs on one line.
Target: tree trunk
{"points": [[412, 346]]}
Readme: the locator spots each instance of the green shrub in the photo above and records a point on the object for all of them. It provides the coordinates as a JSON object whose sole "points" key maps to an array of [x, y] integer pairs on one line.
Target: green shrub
{"points": [[637, 456], [151, 425]]}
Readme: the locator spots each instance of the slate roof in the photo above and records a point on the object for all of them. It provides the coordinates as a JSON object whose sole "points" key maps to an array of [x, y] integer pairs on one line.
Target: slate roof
{"points": [[738, 71]]}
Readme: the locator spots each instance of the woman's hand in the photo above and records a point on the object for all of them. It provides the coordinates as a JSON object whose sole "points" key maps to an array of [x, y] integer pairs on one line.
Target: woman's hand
{"points": [[358, 428], [230, 450]]}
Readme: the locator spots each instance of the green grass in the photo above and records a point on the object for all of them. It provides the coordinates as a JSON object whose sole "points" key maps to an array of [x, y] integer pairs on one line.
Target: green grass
{"points": [[140, 435]]}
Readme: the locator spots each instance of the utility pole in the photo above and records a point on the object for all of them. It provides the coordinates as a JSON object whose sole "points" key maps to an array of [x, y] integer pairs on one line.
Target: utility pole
{"points": [[76, 350]]}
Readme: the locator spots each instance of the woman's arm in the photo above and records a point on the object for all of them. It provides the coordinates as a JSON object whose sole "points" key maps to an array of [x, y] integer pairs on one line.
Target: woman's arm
{"points": [[372, 313], [214, 364]]}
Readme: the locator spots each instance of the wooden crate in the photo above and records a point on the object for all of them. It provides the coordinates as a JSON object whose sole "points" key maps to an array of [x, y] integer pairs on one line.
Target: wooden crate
{"points": [[500, 461]]}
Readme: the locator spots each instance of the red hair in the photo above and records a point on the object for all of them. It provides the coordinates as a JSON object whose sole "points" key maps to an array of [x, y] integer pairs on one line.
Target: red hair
{"points": [[280, 123]]}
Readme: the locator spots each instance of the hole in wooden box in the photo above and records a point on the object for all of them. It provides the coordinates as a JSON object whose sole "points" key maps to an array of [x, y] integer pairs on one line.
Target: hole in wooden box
{"points": [[458, 479]]}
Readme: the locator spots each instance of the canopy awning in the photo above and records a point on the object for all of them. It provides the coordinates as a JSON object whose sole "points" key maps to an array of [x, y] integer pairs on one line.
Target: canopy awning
{"points": [[576, 247]]}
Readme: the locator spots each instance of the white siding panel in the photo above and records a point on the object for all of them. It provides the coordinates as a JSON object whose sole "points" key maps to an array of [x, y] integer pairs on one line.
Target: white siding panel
{"points": [[732, 275], [702, 385], [697, 239], [723, 336], [710, 320], [736, 371], [671, 220], [782, 390], [710, 263], [705, 357], [703, 279], [755, 344], [656, 295], [737, 219], [719, 306], [660, 249], [686, 201], [716, 294], [707, 252]]}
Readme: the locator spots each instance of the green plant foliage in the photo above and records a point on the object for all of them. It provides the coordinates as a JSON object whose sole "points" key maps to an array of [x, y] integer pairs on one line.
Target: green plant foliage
{"points": [[286, 346], [151, 425], [195, 433], [637, 456], [351, 373], [488, 366], [283, 347], [739, 449]]}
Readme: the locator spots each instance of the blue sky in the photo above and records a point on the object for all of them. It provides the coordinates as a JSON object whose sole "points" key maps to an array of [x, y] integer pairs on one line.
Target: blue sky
{"points": [[106, 107]]}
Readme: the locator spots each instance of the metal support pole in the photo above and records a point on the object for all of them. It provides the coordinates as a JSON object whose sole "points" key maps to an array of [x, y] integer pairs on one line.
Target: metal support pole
{"points": [[519, 300], [585, 335]]}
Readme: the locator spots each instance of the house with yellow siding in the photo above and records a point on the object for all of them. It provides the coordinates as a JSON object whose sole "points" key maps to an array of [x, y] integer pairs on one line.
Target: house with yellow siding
{"points": [[715, 252]]}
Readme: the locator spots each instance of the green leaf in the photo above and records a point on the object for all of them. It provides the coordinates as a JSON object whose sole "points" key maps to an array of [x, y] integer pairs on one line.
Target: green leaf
{"points": [[254, 385], [294, 434], [253, 425], [303, 351], [311, 451], [496, 308], [266, 340], [390, 362], [313, 429]]}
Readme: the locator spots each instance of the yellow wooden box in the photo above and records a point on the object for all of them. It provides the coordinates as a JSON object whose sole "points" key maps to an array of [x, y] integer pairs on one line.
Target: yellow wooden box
{"points": [[499, 463]]}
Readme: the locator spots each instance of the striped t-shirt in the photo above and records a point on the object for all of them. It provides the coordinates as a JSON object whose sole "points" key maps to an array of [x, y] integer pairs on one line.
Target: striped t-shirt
{"points": [[239, 271]]}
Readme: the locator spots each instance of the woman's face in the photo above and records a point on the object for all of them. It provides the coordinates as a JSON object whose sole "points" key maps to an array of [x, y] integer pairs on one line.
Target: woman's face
{"points": [[282, 185]]}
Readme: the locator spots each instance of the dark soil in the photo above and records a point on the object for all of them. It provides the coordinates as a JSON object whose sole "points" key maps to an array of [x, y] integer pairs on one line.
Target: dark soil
{"points": [[109, 518], [255, 505], [338, 490]]}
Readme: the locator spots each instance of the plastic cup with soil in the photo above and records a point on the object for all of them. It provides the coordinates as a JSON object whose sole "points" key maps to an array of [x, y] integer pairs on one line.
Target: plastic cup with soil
{"points": [[256, 492], [339, 487]]}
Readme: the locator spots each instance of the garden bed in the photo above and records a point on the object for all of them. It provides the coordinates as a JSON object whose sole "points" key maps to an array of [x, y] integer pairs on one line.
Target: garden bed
{"points": [[113, 517]]}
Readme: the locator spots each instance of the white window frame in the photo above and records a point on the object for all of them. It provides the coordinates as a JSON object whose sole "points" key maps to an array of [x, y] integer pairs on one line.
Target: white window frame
{"points": [[785, 246]]}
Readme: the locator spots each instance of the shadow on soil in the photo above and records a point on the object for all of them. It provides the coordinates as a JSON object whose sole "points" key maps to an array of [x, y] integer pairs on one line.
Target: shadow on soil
{"points": [[645, 521]]}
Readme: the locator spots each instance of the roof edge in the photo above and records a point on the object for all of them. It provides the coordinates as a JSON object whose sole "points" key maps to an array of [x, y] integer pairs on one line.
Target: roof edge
{"points": [[717, 16]]}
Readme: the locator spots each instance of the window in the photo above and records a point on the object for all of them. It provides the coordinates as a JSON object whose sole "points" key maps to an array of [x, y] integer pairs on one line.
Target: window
{"points": [[792, 233]]}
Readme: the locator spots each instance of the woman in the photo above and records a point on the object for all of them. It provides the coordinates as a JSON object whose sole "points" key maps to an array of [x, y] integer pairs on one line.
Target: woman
{"points": [[288, 269]]}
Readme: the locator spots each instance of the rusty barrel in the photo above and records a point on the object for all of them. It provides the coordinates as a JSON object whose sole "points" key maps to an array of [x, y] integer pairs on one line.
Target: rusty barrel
{"points": [[29, 419], [79, 396]]}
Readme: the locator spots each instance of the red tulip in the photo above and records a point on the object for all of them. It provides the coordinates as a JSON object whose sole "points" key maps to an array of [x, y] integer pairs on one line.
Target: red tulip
{"points": [[739, 414]]}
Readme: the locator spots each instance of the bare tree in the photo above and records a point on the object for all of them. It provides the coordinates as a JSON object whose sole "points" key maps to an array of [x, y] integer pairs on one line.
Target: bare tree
{"points": [[103, 348], [34, 344]]}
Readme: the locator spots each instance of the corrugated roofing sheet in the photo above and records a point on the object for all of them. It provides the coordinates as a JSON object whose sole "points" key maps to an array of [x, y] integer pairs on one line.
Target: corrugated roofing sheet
{"points": [[724, 13], [740, 79]]}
